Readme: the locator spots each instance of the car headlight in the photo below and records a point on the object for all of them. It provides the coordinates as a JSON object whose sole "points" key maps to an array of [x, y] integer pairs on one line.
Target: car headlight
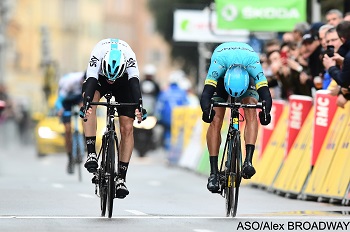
{"points": [[46, 133], [147, 124]]}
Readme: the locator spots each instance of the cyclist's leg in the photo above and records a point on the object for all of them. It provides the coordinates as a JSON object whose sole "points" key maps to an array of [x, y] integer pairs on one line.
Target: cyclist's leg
{"points": [[90, 137], [214, 138], [66, 120], [122, 93], [250, 131]]}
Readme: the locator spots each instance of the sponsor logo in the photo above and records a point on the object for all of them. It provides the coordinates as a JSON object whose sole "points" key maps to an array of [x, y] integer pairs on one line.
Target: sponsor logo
{"points": [[90, 141], [296, 115], [131, 63], [93, 61], [230, 13]]}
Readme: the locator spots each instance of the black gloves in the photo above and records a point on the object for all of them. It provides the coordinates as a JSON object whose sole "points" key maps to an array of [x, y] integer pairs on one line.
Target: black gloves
{"points": [[205, 116], [264, 121]]}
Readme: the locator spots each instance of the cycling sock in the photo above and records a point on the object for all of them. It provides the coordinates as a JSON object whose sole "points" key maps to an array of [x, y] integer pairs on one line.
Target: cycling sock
{"points": [[213, 164], [90, 144], [70, 157], [249, 148], [123, 168]]}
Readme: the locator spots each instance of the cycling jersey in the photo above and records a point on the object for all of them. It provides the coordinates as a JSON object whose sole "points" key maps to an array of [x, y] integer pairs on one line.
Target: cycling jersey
{"points": [[235, 53], [100, 49], [69, 88]]}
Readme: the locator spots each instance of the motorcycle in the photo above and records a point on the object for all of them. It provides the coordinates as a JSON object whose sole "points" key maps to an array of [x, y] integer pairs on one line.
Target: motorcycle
{"points": [[145, 135]]}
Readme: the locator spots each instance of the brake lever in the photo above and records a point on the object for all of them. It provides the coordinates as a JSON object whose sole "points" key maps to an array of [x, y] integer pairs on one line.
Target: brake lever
{"points": [[140, 109]]}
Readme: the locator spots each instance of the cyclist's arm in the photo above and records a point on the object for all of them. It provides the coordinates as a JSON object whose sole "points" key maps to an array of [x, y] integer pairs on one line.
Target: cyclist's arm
{"points": [[135, 89], [90, 88], [265, 95], [207, 94]]}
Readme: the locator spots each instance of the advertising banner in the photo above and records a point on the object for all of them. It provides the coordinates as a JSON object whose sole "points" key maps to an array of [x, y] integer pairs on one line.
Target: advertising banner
{"points": [[299, 107], [325, 108], [276, 112], [194, 26], [260, 15]]}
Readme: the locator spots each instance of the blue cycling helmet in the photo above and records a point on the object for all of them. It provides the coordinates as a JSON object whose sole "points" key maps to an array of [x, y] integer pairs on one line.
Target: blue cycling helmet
{"points": [[236, 81], [113, 64]]}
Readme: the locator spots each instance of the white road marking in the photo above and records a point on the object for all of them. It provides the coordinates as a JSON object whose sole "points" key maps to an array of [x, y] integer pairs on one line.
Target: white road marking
{"points": [[302, 218], [201, 230], [136, 212], [154, 183], [86, 195], [57, 185]]}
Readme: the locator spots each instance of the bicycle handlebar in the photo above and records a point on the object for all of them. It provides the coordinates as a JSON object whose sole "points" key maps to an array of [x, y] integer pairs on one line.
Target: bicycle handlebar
{"points": [[114, 104], [237, 105]]}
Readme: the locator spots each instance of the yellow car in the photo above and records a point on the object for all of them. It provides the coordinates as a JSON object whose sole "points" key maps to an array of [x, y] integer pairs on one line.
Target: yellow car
{"points": [[49, 133]]}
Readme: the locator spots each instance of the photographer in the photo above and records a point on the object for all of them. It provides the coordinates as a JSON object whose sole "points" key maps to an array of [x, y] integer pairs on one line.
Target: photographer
{"points": [[341, 73]]}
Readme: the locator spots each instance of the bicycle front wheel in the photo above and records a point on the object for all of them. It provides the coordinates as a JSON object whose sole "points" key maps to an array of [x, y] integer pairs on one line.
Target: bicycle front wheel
{"points": [[233, 175], [111, 175]]}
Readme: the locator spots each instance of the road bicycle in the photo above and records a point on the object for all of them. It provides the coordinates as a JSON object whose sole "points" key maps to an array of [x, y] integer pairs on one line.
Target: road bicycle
{"points": [[78, 146], [230, 172], [104, 178]]}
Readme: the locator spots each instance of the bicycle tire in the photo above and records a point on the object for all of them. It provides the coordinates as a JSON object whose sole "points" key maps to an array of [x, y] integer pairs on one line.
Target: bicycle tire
{"points": [[237, 166], [77, 153], [228, 177], [102, 179], [110, 171]]}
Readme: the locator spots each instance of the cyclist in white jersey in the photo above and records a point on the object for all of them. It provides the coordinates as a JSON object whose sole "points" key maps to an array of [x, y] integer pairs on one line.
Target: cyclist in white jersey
{"points": [[69, 94], [112, 68]]}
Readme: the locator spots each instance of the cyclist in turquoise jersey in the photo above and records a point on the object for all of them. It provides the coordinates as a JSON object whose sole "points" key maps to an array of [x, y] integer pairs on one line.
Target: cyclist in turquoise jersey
{"points": [[225, 58]]}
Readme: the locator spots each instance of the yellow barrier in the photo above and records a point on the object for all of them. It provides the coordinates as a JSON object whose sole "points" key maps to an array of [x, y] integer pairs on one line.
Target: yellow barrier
{"points": [[337, 180], [327, 153], [268, 165], [297, 165]]}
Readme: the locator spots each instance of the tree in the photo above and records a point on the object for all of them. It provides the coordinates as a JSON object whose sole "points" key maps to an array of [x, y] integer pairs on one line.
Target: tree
{"points": [[163, 11]]}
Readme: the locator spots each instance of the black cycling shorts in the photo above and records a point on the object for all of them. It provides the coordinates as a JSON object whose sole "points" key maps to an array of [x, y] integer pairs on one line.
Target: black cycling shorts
{"points": [[67, 106], [120, 90]]}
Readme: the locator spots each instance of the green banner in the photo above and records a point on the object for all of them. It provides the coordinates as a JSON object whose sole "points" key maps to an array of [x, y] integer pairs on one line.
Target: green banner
{"points": [[260, 15]]}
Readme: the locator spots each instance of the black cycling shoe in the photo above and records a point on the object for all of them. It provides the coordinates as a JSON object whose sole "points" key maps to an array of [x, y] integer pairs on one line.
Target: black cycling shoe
{"points": [[91, 163], [213, 183], [121, 191], [248, 170]]}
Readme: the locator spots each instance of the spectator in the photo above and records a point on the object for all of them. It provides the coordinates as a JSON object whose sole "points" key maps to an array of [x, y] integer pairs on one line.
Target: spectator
{"points": [[297, 64], [168, 99], [149, 88], [299, 31], [332, 39], [192, 98], [333, 64], [347, 16], [322, 32], [313, 52], [334, 17]]}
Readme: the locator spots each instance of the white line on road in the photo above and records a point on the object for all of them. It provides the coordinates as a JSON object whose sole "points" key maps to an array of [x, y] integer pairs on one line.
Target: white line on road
{"points": [[120, 217], [86, 195], [302, 218], [201, 230], [57, 185], [136, 212]]}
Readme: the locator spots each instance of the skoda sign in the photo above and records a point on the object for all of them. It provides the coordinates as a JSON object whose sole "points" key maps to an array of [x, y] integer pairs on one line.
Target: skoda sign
{"points": [[260, 15]]}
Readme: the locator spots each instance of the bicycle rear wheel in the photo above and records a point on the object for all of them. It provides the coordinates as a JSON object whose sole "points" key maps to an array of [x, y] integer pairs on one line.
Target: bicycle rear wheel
{"points": [[233, 175], [110, 172]]}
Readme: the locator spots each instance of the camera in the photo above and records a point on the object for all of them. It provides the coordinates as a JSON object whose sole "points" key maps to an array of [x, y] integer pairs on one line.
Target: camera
{"points": [[330, 50]]}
